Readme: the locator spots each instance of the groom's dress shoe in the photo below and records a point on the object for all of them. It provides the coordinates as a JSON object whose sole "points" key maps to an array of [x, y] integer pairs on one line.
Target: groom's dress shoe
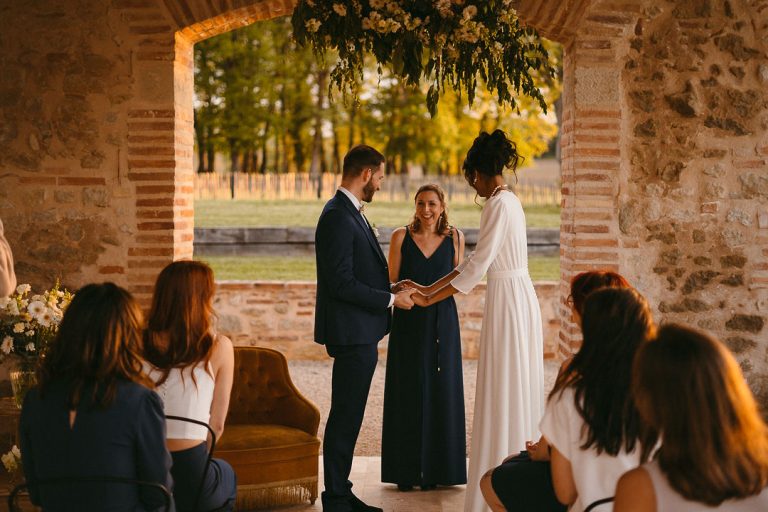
{"points": [[359, 506]]}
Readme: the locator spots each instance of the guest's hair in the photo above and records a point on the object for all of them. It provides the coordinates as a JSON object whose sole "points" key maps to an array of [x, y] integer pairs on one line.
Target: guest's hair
{"points": [[359, 158], [692, 395], [587, 282], [490, 154], [181, 313], [97, 346], [616, 322], [442, 222]]}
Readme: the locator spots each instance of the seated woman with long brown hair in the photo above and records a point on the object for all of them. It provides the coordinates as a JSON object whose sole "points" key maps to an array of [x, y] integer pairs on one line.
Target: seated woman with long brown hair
{"points": [[523, 481], [94, 413], [590, 422], [714, 453], [193, 368]]}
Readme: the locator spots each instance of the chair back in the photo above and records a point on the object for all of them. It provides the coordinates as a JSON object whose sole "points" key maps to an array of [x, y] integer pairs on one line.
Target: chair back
{"points": [[263, 392], [13, 506], [597, 503], [210, 451]]}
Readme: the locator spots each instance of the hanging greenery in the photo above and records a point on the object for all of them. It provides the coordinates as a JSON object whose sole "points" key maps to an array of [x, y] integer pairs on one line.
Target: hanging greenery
{"points": [[438, 42]]}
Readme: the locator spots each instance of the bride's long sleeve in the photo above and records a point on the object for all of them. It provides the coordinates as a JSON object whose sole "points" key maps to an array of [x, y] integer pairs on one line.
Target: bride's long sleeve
{"points": [[493, 230]]}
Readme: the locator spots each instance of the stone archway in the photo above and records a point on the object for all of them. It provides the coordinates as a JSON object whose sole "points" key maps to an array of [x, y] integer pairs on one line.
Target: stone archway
{"points": [[665, 146]]}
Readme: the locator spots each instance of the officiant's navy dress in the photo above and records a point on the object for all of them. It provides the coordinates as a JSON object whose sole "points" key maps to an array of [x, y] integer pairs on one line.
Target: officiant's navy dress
{"points": [[423, 439]]}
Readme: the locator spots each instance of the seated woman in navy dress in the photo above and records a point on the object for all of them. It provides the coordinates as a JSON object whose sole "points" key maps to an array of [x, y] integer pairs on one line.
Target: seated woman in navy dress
{"points": [[94, 413], [424, 439], [193, 369]]}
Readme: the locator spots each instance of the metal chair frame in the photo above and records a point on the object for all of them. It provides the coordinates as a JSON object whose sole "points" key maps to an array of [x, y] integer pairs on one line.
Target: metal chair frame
{"points": [[597, 503], [13, 507], [210, 452]]}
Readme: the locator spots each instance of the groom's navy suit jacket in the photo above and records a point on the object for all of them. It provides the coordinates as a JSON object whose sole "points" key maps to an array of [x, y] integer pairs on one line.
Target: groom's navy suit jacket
{"points": [[352, 278]]}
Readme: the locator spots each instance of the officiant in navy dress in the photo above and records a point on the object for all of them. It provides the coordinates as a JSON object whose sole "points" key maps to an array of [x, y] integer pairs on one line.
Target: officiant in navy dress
{"points": [[352, 313], [423, 439]]}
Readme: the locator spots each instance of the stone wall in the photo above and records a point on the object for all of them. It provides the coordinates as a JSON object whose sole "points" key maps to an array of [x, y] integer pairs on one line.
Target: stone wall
{"points": [[693, 202], [665, 159], [280, 315]]}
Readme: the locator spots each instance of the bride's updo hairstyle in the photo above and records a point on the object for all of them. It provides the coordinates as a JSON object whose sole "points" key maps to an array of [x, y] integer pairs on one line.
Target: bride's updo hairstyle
{"points": [[490, 154]]}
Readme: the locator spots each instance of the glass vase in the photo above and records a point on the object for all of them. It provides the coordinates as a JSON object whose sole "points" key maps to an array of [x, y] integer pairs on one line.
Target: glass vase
{"points": [[21, 382]]}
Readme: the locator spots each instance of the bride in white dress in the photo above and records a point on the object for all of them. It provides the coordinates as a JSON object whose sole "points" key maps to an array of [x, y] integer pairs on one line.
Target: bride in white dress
{"points": [[509, 397]]}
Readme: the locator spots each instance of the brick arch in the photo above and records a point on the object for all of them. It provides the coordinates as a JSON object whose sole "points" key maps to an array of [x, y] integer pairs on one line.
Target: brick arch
{"points": [[663, 181], [161, 131]]}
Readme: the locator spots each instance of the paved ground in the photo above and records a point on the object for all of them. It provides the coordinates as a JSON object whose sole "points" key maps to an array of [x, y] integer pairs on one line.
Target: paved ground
{"points": [[313, 378]]}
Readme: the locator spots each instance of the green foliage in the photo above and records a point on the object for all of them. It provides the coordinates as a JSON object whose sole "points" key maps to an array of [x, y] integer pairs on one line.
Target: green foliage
{"points": [[456, 42], [260, 98]]}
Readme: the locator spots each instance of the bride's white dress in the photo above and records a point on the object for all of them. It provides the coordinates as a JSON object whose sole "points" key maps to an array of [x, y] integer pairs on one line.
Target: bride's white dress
{"points": [[509, 397]]}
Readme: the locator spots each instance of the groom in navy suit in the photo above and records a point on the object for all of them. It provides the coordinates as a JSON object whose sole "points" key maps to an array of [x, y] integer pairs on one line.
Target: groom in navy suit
{"points": [[352, 313]]}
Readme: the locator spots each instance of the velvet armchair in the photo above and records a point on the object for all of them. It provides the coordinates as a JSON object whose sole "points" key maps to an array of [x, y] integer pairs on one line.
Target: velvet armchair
{"points": [[270, 437]]}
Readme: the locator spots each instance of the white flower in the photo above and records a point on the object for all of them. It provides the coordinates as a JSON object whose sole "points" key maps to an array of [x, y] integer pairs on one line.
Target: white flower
{"points": [[36, 308], [30, 347], [11, 459], [366, 24], [19, 327], [30, 332], [340, 9], [469, 12], [13, 308], [23, 288], [4, 301], [7, 346], [45, 318], [312, 25]]}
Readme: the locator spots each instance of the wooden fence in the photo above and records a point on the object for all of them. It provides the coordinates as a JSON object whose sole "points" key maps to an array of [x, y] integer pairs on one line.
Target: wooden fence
{"points": [[394, 188]]}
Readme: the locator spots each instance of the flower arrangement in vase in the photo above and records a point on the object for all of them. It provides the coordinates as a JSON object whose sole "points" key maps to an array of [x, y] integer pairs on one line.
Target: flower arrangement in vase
{"points": [[28, 323]]}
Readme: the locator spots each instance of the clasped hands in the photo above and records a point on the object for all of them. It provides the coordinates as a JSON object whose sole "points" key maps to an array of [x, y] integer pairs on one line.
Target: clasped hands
{"points": [[407, 294]]}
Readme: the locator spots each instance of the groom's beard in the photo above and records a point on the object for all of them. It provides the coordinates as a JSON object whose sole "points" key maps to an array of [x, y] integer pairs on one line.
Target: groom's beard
{"points": [[368, 191]]}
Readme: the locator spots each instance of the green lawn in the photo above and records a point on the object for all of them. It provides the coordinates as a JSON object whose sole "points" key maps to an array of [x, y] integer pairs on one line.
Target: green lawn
{"points": [[302, 268], [242, 213]]}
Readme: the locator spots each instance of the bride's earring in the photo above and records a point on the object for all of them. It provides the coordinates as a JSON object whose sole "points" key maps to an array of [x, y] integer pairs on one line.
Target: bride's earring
{"points": [[474, 180]]}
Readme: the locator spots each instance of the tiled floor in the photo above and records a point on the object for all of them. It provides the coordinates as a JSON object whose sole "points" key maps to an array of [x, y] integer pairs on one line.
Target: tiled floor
{"points": [[366, 478]]}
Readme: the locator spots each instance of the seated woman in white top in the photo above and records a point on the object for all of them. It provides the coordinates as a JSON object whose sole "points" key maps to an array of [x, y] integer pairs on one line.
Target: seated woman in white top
{"points": [[590, 422], [714, 452], [193, 370]]}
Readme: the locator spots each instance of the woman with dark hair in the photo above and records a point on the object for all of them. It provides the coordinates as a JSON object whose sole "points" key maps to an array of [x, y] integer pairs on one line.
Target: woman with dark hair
{"points": [[591, 424], [692, 396], [510, 373], [94, 413], [523, 482], [193, 368], [423, 438]]}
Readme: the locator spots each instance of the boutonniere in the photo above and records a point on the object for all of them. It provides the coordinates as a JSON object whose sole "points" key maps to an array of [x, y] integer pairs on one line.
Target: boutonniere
{"points": [[375, 231]]}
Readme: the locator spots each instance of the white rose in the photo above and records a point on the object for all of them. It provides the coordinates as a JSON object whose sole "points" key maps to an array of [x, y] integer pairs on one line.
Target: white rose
{"points": [[312, 25], [23, 288], [30, 332], [4, 301], [7, 346], [19, 327], [16, 452], [30, 347], [469, 12], [340, 9], [13, 308]]}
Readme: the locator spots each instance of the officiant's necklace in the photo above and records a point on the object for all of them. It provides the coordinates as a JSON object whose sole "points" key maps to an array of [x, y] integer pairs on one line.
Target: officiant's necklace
{"points": [[501, 187]]}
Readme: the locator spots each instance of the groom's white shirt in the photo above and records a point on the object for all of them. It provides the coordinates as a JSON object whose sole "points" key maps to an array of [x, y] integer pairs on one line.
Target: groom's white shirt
{"points": [[357, 204]]}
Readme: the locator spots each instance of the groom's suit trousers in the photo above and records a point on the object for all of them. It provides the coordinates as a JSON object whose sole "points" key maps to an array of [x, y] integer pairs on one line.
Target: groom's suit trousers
{"points": [[353, 367]]}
